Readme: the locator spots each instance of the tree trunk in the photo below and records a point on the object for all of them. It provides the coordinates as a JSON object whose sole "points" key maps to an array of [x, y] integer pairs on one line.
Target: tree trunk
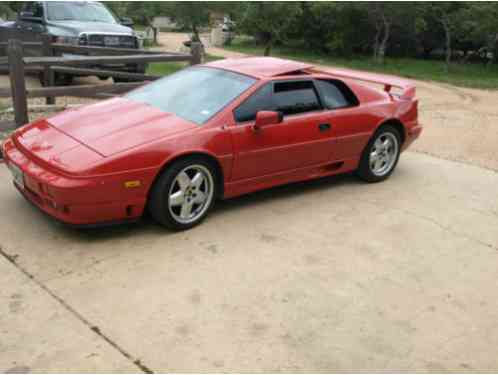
{"points": [[268, 47], [495, 50], [381, 53], [378, 29], [150, 22], [154, 32], [447, 33], [195, 36]]}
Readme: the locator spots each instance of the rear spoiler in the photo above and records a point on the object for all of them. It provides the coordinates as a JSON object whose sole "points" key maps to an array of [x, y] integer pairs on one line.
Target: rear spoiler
{"points": [[407, 87]]}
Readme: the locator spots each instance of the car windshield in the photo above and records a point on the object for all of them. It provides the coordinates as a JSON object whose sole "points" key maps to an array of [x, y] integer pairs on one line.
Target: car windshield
{"points": [[194, 94], [78, 11]]}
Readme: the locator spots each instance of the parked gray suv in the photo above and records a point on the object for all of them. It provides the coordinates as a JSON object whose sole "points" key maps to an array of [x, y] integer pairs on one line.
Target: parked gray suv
{"points": [[84, 23]]}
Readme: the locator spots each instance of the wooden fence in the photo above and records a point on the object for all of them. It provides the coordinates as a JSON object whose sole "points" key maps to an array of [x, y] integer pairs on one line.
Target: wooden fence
{"points": [[50, 63]]}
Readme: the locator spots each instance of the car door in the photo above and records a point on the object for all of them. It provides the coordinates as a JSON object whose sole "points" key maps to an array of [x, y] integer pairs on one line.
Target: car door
{"points": [[302, 139], [351, 124]]}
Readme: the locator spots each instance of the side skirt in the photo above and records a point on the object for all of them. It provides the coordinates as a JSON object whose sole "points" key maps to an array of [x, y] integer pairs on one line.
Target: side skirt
{"points": [[249, 185]]}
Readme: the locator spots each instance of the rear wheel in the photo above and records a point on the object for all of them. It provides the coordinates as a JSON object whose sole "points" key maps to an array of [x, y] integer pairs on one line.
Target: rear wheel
{"points": [[122, 80], [381, 155], [137, 68], [60, 79], [183, 194]]}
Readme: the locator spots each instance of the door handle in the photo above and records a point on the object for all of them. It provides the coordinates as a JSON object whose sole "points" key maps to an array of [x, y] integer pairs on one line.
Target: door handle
{"points": [[324, 127]]}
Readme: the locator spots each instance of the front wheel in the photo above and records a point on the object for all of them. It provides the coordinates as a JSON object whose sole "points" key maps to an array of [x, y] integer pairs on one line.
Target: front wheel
{"points": [[183, 194], [381, 155]]}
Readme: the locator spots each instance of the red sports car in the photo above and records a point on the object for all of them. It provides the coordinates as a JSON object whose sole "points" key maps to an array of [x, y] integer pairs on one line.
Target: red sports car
{"points": [[218, 130]]}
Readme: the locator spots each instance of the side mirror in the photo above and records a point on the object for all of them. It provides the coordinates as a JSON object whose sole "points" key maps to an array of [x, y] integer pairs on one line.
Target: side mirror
{"points": [[24, 14], [264, 118], [126, 21], [29, 16]]}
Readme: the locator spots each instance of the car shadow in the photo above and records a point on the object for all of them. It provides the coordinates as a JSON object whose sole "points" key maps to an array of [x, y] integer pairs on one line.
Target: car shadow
{"points": [[285, 192], [147, 226]]}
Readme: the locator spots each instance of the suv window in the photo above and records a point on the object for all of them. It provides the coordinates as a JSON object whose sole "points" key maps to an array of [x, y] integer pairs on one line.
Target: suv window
{"points": [[261, 100], [86, 11], [34, 7], [292, 98], [335, 94]]}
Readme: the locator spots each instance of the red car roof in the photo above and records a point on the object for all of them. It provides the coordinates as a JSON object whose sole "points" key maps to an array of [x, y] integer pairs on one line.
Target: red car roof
{"points": [[260, 66]]}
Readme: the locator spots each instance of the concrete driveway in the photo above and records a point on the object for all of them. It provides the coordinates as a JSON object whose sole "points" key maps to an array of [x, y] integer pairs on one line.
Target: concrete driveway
{"points": [[331, 275]]}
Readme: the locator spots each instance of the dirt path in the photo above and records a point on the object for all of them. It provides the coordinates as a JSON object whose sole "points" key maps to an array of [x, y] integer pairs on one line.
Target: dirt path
{"points": [[460, 124]]}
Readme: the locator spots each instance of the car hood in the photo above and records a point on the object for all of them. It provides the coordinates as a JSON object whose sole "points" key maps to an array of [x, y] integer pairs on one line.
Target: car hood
{"points": [[76, 27], [116, 125]]}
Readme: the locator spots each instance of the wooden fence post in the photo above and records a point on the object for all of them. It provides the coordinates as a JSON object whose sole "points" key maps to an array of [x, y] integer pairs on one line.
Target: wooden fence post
{"points": [[196, 52], [48, 74], [17, 82]]}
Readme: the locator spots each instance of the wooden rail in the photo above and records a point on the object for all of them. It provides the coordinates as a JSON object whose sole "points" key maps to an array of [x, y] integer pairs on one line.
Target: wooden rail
{"points": [[24, 44], [50, 64], [5, 92], [86, 91], [104, 50], [103, 73], [102, 60]]}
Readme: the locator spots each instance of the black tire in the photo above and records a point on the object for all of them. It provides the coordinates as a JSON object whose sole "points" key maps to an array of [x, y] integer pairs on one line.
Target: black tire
{"points": [[138, 69], [41, 78], [365, 170], [120, 79], [159, 198], [62, 79]]}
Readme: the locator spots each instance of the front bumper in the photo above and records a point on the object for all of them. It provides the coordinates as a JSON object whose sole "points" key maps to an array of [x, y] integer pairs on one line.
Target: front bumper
{"points": [[127, 68], [73, 200]]}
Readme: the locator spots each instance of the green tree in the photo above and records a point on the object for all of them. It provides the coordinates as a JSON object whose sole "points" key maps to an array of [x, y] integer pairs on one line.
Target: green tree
{"points": [[269, 22], [191, 15], [326, 27], [448, 14]]}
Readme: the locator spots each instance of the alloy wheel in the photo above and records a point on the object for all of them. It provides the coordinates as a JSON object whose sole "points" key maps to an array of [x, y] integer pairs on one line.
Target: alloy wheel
{"points": [[191, 194], [383, 154]]}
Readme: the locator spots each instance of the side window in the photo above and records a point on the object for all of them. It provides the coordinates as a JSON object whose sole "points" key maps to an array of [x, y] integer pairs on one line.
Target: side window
{"points": [[335, 94], [38, 10], [34, 7], [261, 100], [295, 97], [28, 7]]}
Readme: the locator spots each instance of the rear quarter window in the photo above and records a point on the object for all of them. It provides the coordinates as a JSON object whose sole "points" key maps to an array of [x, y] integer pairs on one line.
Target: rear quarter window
{"points": [[336, 94]]}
